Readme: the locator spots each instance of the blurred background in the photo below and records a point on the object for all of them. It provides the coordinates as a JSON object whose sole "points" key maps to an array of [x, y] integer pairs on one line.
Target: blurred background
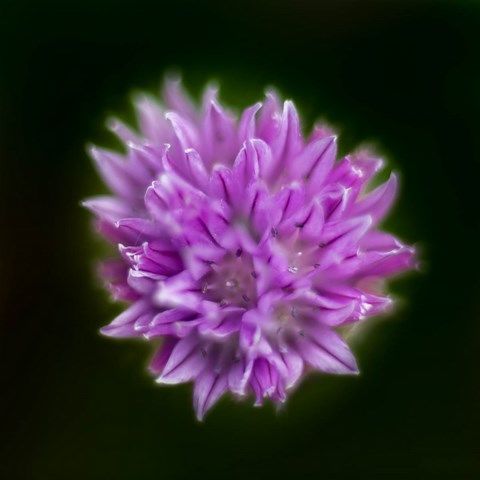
{"points": [[404, 76]]}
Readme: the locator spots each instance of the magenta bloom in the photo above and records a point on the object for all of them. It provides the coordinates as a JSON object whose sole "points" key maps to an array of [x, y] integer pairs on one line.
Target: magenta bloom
{"points": [[243, 246]]}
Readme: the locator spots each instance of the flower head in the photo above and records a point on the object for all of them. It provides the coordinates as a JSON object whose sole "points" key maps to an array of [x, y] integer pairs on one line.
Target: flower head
{"points": [[243, 245]]}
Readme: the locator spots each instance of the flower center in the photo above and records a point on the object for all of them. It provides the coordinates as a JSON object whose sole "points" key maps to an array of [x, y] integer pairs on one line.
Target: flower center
{"points": [[284, 315], [231, 281]]}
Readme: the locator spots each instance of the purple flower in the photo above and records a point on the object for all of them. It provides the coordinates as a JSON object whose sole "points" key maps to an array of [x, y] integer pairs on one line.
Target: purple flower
{"points": [[243, 246]]}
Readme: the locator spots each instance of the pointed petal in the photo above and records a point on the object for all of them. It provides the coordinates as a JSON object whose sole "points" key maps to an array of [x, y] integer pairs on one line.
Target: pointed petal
{"points": [[270, 114], [292, 367], [184, 363], [186, 134], [263, 380], [177, 99], [124, 133], [246, 167], [222, 184], [209, 387], [337, 316], [198, 172], [151, 117], [107, 207], [141, 228], [255, 206], [367, 163], [340, 238], [312, 226], [219, 136], [325, 350], [161, 356], [246, 127], [114, 171], [316, 162], [287, 202], [239, 375], [378, 202], [321, 130], [178, 291], [287, 142], [122, 325], [176, 321], [390, 263]]}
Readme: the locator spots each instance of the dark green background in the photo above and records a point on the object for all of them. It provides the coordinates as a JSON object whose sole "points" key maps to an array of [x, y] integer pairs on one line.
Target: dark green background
{"points": [[403, 75]]}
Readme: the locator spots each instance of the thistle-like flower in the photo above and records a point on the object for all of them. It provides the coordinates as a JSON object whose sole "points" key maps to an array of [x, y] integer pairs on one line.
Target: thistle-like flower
{"points": [[243, 246]]}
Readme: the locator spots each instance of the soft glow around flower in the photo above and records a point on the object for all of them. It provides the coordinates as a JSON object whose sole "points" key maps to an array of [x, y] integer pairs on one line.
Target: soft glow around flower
{"points": [[242, 244]]}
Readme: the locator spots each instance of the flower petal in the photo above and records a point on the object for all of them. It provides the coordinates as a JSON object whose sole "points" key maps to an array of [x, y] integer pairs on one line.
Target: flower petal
{"points": [[114, 171], [316, 161], [379, 201], [325, 350], [292, 367], [239, 376], [123, 324], [246, 127], [177, 99], [209, 387], [286, 143], [151, 117], [184, 363], [161, 356]]}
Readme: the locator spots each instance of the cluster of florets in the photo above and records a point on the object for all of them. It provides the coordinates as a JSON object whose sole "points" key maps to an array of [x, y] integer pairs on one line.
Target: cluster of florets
{"points": [[243, 245]]}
